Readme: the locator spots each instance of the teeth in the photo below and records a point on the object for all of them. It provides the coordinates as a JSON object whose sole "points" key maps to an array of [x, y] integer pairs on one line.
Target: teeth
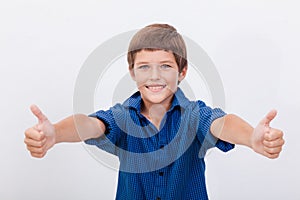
{"points": [[155, 88]]}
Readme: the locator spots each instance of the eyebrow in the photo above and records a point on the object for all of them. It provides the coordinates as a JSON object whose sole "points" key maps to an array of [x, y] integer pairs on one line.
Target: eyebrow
{"points": [[161, 62]]}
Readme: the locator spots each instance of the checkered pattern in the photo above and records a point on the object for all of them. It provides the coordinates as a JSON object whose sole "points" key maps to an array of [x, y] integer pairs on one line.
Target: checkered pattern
{"points": [[170, 161]]}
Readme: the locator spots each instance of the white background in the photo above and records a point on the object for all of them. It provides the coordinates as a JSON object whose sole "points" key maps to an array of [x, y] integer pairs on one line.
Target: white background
{"points": [[254, 44]]}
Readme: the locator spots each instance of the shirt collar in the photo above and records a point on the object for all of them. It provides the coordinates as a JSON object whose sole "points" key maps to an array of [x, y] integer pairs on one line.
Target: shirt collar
{"points": [[135, 101]]}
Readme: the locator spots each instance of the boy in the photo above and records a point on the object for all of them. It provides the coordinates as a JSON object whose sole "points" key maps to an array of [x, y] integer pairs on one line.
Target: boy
{"points": [[159, 135]]}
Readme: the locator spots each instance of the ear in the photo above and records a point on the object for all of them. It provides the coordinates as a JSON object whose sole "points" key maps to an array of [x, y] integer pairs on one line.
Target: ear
{"points": [[131, 71], [182, 74]]}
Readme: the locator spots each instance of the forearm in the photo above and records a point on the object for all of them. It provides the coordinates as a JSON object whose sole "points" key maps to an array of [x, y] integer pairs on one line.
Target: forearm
{"points": [[77, 128], [233, 129]]}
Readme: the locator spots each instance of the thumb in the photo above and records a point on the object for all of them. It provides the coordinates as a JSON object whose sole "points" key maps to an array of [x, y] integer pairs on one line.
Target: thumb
{"points": [[38, 113], [269, 117]]}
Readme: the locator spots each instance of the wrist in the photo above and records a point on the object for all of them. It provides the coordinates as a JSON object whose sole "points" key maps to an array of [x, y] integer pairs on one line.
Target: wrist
{"points": [[251, 143], [256, 141], [56, 134]]}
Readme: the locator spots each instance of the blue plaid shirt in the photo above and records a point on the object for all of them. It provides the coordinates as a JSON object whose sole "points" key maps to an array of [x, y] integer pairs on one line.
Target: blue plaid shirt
{"points": [[164, 163]]}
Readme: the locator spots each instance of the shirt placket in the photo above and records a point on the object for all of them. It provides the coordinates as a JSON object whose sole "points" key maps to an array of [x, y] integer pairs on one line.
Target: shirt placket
{"points": [[160, 184], [160, 181]]}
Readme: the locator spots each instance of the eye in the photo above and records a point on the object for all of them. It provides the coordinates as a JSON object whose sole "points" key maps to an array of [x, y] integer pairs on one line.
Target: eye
{"points": [[165, 66], [143, 67]]}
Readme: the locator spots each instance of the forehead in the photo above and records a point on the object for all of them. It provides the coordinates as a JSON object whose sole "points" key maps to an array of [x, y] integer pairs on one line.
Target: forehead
{"points": [[155, 56]]}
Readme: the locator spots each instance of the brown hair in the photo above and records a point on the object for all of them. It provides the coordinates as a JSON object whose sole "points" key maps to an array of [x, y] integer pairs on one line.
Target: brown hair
{"points": [[158, 37]]}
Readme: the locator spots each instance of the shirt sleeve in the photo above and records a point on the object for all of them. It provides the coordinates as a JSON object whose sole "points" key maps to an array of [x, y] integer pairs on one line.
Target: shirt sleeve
{"points": [[110, 140], [206, 116]]}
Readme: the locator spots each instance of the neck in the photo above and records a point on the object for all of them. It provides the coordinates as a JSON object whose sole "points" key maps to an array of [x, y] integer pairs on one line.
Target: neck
{"points": [[155, 112]]}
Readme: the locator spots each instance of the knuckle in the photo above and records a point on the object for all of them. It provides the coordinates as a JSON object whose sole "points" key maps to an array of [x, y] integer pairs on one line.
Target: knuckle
{"points": [[40, 155], [269, 156], [267, 149], [280, 143], [27, 132], [35, 150], [28, 142], [271, 144], [267, 137], [270, 136], [276, 155], [271, 151], [39, 143], [37, 155], [274, 151], [33, 154], [39, 137], [40, 150], [268, 143], [281, 133], [28, 148], [273, 156]]}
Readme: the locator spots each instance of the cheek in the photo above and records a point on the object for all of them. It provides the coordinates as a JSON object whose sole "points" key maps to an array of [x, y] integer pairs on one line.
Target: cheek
{"points": [[140, 79], [172, 82], [171, 77]]}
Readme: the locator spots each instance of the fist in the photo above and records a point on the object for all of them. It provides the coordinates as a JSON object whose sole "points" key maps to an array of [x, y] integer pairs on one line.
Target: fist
{"points": [[266, 140], [41, 137]]}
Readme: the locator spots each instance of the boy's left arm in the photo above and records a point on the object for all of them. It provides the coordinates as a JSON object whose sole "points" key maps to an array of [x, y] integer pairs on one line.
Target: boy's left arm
{"points": [[263, 139]]}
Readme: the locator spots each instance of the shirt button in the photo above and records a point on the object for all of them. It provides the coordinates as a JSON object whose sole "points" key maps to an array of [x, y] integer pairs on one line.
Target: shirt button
{"points": [[161, 146], [158, 198], [161, 173]]}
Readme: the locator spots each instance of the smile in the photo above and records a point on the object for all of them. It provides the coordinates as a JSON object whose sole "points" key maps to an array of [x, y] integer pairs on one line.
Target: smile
{"points": [[155, 88]]}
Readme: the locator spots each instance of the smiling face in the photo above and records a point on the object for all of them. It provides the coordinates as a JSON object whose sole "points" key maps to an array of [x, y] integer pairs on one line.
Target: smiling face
{"points": [[157, 76]]}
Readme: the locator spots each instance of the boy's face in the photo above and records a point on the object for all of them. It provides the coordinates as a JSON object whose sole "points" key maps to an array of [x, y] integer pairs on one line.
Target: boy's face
{"points": [[157, 75]]}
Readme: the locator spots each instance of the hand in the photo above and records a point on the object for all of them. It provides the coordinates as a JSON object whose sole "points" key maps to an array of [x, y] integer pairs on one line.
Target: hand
{"points": [[266, 140], [41, 137]]}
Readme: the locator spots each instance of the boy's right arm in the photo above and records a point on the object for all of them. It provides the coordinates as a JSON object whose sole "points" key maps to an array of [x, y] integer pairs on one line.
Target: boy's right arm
{"points": [[41, 137]]}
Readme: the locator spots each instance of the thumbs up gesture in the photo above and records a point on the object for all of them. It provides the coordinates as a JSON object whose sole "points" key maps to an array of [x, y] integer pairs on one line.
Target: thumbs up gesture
{"points": [[267, 140], [40, 137]]}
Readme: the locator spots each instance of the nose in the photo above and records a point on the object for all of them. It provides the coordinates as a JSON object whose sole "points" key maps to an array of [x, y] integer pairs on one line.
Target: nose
{"points": [[155, 73]]}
